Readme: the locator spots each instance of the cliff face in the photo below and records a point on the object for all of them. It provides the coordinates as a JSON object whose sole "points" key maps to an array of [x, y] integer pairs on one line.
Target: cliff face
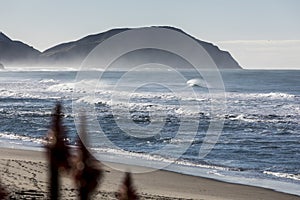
{"points": [[73, 53]]}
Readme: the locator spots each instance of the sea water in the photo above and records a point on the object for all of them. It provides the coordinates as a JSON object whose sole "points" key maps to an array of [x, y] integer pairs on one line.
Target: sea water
{"points": [[259, 143]]}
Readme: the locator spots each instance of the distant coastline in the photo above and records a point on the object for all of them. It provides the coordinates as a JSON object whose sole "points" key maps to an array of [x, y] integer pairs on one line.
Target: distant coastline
{"points": [[71, 54]]}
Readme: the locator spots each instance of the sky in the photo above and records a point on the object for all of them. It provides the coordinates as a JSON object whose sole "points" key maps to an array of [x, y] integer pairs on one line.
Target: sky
{"points": [[259, 34]]}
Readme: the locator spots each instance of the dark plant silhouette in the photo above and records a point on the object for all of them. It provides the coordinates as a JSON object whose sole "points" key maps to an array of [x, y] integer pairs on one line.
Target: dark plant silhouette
{"points": [[88, 171], [57, 151], [3, 193], [127, 190]]}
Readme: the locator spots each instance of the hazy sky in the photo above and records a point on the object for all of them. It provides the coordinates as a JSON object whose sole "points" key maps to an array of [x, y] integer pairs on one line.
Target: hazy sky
{"points": [[258, 33]]}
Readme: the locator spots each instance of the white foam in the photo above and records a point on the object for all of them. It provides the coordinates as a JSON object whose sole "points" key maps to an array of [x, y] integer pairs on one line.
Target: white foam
{"points": [[83, 86], [283, 175], [48, 81], [21, 138], [196, 82], [149, 157], [62, 87], [18, 94], [271, 95], [28, 68]]}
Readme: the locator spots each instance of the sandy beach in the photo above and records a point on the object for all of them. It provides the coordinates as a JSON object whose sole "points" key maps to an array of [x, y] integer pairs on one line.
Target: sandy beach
{"points": [[24, 173]]}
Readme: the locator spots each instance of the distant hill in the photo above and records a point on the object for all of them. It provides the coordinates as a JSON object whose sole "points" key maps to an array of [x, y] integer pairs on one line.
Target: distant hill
{"points": [[73, 53], [16, 52]]}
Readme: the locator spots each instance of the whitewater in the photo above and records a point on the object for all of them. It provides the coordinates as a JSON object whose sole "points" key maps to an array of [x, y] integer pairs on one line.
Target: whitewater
{"points": [[259, 143]]}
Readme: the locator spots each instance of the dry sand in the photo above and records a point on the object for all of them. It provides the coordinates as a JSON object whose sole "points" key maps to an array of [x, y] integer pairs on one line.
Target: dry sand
{"points": [[24, 173]]}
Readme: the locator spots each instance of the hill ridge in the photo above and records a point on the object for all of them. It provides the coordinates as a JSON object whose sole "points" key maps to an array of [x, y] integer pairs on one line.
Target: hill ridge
{"points": [[73, 53]]}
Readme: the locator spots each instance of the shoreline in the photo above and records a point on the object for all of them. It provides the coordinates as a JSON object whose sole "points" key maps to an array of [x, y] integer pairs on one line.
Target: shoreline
{"points": [[196, 171], [15, 174]]}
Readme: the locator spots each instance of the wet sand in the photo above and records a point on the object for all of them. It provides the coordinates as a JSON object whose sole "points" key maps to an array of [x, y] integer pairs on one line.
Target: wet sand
{"points": [[24, 173]]}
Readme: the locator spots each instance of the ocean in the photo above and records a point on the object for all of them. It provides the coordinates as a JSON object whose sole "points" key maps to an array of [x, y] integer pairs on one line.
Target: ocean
{"points": [[154, 125]]}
